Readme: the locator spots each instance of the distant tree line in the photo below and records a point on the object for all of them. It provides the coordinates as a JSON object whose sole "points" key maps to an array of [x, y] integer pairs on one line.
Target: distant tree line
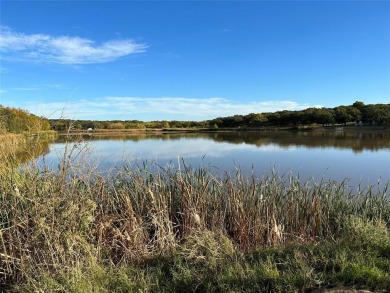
{"points": [[75, 125], [374, 114], [18, 121], [378, 114]]}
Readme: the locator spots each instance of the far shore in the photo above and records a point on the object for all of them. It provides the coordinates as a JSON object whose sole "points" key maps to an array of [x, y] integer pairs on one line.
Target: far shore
{"points": [[102, 132]]}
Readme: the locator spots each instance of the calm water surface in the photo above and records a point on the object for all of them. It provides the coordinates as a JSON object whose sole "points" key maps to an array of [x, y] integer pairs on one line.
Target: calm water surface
{"points": [[362, 158]]}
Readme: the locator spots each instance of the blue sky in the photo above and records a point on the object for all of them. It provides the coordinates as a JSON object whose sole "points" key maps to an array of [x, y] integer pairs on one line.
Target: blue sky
{"points": [[183, 60]]}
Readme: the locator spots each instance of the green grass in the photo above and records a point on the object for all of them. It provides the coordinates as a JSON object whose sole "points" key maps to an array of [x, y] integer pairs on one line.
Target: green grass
{"points": [[175, 230], [206, 263]]}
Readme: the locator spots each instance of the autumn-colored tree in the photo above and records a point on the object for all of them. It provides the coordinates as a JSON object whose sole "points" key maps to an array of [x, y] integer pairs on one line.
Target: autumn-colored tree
{"points": [[18, 121]]}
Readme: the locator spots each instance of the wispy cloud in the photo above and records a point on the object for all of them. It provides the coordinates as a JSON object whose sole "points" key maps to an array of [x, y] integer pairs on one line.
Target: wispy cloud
{"points": [[42, 87], [54, 85], [24, 89], [197, 108], [63, 49], [160, 108]]}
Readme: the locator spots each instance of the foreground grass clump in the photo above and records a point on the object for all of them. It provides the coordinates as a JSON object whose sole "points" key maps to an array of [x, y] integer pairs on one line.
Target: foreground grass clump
{"points": [[186, 230], [207, 263]]}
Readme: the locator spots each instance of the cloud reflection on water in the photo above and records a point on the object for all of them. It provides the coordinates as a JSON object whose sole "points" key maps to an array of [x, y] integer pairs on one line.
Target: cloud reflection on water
{"points": [[306, 156]]}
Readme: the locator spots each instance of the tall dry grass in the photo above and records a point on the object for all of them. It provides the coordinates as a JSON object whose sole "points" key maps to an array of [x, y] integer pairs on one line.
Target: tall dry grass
{"points": [[9, 143], [56, 221]]}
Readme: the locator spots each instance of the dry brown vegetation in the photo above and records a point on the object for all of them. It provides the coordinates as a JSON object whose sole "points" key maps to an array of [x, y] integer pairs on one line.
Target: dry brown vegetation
{"points": [[56, 223]]}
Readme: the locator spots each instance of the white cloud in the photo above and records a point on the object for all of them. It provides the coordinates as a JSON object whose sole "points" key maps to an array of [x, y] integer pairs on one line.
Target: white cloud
{"points": [[63, 49], [160, 108], [54, 85], [24, 89], [197, 108], [42, 87]]}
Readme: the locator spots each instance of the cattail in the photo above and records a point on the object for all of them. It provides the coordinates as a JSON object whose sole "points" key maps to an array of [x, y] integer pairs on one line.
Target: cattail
{"points": [[17, 192], [261, 198], [277, 230], [151, 196], [196, 218]]}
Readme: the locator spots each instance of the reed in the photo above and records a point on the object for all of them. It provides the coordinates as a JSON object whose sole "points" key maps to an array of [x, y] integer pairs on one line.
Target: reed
{"points": [[58, 222], [8, 142]]}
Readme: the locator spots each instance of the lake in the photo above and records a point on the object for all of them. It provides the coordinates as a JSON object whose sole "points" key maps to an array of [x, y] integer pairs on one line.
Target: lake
{"points": [[361, 157]]}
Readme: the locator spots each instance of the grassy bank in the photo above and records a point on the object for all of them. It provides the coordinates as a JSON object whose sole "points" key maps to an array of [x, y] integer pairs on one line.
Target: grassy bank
{"points": [[165, 230]]}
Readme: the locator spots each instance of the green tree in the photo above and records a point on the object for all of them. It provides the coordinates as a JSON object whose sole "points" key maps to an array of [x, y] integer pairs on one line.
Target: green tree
{"points": [[165, 124], [18, 121], [344, 114], [258, 120], [116, 125], [358, 105], [378, 114]]}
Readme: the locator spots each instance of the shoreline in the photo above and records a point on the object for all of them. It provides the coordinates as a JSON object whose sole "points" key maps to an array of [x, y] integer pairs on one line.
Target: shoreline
{"points": [[351, 129]]}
